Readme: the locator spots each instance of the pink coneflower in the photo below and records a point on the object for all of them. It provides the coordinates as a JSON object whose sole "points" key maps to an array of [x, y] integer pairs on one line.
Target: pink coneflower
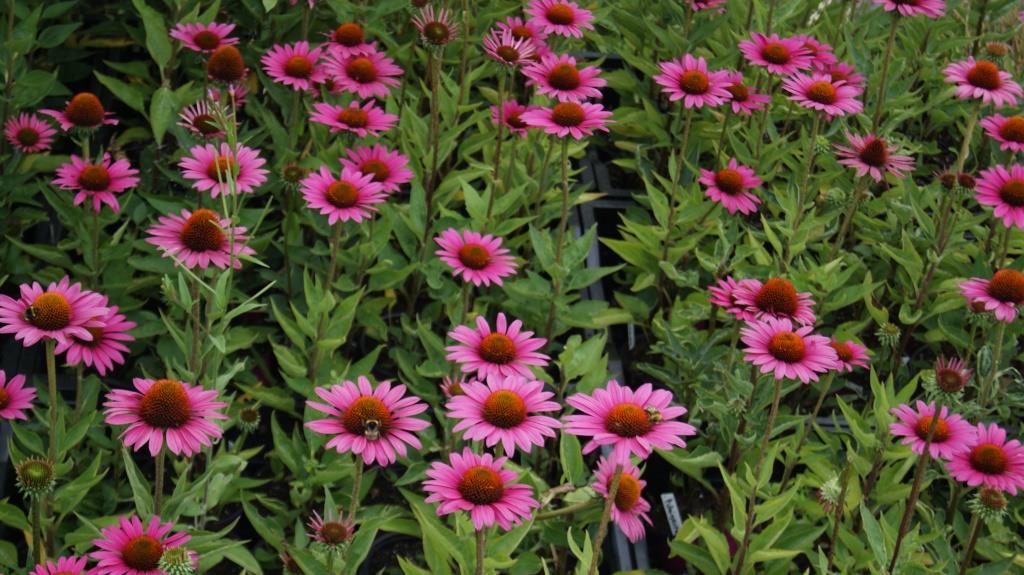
{"points": [[131, 548], [1009, 132], [952, 434], [482, 486], [558, 77], [742, 100], [500, 353], [366, 75], [211, 168], [850, 354], [504, 410], [776, 298], [388, 167], [97, 182], [436, 27], [731, 187], [60, 312], [568, 119], [528, 30], [451, 386], [296, 65], [376, 423], [1003, 189], [952, 375], [787, 352], [204, 38], [983, 80], [630, 508], [331, 530], [15, 398], [349, 39], [84, 110], [64, 566], [478, 258], [229, 95], [708, 5], [689, 80], [227, 65], [724, 295], [107, 345], [632, 421], [362, 121], [201, 119], [199, 239], [818, 91], [843, 72], [166, 411], [990, 460], [929, 8], [782, 56], [1001, 294], [28, 133], [503, 47], [351, 196], [512, 113], [870, 155], [820, 52], [560, 18]]}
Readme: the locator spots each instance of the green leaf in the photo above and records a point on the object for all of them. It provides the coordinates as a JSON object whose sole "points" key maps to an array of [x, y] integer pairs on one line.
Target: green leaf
{"points": [[161, 112], [142, 492], [574, 470], [875, 537], [127, 93], [157, 41]]}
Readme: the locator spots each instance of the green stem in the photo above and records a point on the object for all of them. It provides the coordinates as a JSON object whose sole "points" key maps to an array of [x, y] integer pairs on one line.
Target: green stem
{"points": [[886, 60], [986, 386], [568, 510], [844, 482], [481, 537], [563, 222], [158, 488], [915, 489], [808, 168], [826, 385], [972, 539], [748, 528], [542, 180], [844, 229], [606, 514], [496, 174], [357, 481], [38, 545], [193, 364], [51, 380]]}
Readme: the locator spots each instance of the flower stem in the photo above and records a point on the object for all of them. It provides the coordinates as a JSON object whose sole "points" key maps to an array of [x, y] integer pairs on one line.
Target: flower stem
{"points": [[915, 489], [332, 270], [542, 180], [563, 222], [606, 515], [193, 363], [39, 550], [568, 510], [805, 182], [844, 229], [357, 480], [748, 528], [481, 537], [791, 462], [886, 60], [158, 484], [844, 482], [972, 539], [496, 174], [51, 380], [986, 386]]}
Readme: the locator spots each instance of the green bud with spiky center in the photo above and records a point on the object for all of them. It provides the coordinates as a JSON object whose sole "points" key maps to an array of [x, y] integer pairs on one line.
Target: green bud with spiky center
{"points": [[989, 504], [34, 476], [889, 334], [249, 418], [176, 561]]}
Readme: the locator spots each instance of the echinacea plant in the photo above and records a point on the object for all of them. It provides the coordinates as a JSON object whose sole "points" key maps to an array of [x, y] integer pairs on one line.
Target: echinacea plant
{"points": [[727, 287]]}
